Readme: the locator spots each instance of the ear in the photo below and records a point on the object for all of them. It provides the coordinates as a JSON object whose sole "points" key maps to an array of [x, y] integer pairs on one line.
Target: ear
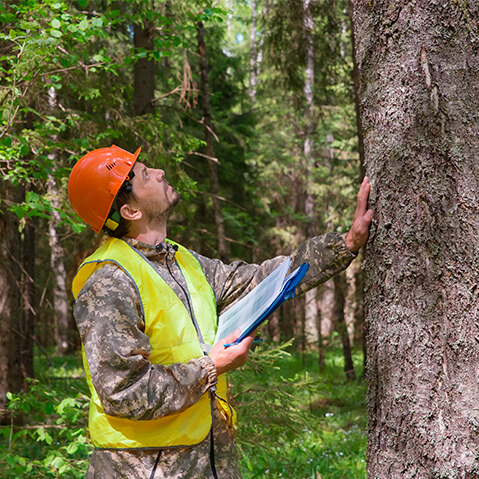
{"points": [[130, 213]]}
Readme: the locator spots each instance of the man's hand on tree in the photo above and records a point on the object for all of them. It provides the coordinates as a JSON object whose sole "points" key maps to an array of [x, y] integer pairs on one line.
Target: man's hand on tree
{"points": [[359, 231]]}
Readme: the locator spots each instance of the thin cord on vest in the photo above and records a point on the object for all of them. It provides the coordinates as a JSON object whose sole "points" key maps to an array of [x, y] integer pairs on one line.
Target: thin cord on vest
{"points": [[190, 306], [212, 455], [152, 475], [228, 404], [212, 442]]}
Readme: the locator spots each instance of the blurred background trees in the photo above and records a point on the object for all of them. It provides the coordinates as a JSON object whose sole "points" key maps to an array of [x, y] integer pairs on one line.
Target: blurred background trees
{"points": [[248, 106]]}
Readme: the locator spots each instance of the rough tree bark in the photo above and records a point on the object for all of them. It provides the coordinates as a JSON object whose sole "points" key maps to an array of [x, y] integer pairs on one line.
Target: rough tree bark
{"points": [[210, 151], [418, 71]]}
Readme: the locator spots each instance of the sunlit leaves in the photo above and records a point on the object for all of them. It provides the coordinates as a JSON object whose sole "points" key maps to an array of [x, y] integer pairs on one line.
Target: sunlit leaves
{"points": [[55, 442]]}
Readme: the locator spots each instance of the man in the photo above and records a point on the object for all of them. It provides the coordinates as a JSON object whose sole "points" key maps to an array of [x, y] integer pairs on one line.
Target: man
{"points": [[146, 309]]}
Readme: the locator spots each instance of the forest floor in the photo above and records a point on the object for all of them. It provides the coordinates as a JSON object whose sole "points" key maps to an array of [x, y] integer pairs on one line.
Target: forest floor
{"points": [[295, 420]]}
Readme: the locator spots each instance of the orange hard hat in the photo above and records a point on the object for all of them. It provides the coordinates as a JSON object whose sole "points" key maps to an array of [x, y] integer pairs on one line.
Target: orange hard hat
{"points": [[95, 181]]}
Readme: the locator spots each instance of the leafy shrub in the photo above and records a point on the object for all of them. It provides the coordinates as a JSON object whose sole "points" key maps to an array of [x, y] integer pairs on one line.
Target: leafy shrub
{"points": [[47, 437]]}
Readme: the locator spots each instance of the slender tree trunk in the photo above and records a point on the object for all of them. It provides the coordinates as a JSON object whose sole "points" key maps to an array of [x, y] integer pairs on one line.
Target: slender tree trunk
{"points": [[418, 66], [311, 307], [311, 321], [144, 71], [308, 90], [27, 328], [57, 254], [339, 301], [229, 27], [326, 306], [352, 301], [57, 265], [356, 95], [11, 376], [210, 151], [253, 59]]}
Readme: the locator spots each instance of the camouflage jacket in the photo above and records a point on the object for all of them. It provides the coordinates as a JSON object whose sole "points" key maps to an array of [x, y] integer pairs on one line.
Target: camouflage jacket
{"points": [[108, 316]]}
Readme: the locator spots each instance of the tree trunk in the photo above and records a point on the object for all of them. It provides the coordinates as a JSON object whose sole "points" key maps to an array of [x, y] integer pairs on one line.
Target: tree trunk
{"points": [[57, 253], [418, 66], [311, 306], [27, 328], [144, 71], [326, 307], [11, 377], [253, 59], [353, 301], [311, 321], [339, 301], [57, 265], [210, 151], [356, 93]]}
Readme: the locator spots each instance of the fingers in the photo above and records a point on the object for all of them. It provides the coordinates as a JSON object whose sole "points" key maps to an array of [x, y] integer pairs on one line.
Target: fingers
{"points": [[368, 216], [232, 337], [363, 195], [242, 346], [359, 231], [231, 357]]}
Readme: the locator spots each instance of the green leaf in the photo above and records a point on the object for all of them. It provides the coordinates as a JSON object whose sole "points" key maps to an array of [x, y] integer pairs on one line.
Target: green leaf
{"points": [[77, 227], [83, 25], [31, 196], [56, 33], [49, 408], [56, 23], [44, 436], [72, 448], [24, 150]]}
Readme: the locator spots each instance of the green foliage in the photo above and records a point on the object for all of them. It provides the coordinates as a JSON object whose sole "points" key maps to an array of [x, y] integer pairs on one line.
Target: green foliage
{"points": [[296, 421], [53, 443], [47, 437], [293, 420]]}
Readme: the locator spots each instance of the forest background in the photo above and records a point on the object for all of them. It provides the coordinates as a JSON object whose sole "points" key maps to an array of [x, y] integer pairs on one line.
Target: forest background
{"points": [[249, 107]]}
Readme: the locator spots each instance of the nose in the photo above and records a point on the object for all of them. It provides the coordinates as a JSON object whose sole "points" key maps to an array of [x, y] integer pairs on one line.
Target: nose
{"points": [[160, 174]]}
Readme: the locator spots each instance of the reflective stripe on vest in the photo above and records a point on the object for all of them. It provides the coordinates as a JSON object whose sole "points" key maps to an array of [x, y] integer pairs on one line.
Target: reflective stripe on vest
{"points": [[171, 341]]}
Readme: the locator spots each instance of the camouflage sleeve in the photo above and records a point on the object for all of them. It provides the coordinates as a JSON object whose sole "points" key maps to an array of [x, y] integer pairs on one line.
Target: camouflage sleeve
{"points": [[326, 254], [108, 316]]}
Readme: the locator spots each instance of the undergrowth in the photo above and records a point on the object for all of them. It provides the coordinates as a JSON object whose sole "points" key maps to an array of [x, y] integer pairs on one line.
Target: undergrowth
{"points": [[295, 420]]}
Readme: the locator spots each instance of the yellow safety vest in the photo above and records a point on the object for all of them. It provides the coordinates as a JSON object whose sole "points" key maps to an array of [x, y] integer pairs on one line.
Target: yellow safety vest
{"points": [[173, 339]]}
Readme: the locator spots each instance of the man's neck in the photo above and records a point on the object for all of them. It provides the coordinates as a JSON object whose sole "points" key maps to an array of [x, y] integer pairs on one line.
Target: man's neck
{"points": [[149, 235]]}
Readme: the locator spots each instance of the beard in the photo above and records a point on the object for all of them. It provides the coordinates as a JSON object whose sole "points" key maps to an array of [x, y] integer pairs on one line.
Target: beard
{"points": [[158, 212]]}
